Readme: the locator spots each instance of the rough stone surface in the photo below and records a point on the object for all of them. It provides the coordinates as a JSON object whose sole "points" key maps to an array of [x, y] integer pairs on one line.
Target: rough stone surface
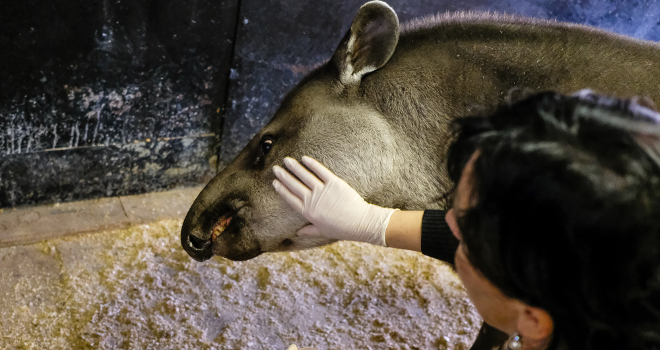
{"points": [[83, 83], [110, 97], [31, 283], [150, 207], [93, 172], [137, 289], [29, 225], [277, 43]]}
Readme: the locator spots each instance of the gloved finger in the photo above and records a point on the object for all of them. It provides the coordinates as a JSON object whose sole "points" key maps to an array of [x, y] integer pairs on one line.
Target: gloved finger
{"points": [[292, 347], [309, 230], [294, 201], [303, 174], [321, 171], [293, 184]]}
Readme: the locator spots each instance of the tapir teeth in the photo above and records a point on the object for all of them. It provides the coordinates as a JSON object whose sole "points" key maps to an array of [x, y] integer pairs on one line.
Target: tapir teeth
{"points": [[220, 227], [217, 232]]}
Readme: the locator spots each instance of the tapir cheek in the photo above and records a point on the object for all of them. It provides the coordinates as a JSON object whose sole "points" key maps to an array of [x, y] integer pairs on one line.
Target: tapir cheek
{"points": [[236, 244]]}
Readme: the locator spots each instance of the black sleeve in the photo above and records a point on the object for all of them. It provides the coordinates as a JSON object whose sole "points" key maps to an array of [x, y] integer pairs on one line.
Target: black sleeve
{"points": [[437, 240]]}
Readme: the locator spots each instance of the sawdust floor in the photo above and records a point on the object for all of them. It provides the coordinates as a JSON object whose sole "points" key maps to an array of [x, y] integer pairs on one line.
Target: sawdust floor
{"points": [[137, 289]]}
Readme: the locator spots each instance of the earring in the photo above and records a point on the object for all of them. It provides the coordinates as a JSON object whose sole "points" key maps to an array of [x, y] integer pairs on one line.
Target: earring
{"points": [[515, 342]]}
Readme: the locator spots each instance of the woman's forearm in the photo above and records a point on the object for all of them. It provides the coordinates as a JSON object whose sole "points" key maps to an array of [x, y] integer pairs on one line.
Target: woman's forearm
{"points": [[404, 231]]}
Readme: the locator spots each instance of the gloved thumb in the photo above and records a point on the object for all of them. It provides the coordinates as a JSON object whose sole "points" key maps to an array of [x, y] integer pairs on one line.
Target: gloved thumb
{"points": [[309, 230]]}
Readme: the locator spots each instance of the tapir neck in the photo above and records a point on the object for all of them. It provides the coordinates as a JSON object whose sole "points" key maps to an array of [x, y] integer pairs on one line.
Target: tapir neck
{"points": [[455, 67]]}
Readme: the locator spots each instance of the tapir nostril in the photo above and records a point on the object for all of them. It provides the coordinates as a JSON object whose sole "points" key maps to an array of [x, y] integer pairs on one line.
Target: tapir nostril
{"points": [[198, 243]]}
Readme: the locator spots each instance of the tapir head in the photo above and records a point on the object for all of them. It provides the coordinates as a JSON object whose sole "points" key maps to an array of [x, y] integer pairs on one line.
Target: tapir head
{"points": [[239, 215]]}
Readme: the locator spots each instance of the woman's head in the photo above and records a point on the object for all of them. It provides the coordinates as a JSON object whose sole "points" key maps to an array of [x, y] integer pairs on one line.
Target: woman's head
{"points": [[563, 214]]}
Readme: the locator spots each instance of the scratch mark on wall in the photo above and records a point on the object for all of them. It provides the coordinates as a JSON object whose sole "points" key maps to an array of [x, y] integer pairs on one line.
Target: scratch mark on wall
{"points": [[55, 135], [75, 135]]}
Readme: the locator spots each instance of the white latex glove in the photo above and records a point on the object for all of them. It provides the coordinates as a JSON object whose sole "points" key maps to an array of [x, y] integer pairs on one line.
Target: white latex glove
{"points": [[334, 209]]}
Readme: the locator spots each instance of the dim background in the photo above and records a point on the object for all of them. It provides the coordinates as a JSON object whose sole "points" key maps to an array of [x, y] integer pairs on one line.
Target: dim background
{"points": [[109, 97]]}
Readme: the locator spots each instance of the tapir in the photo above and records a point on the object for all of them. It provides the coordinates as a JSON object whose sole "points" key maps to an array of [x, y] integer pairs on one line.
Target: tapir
{"points": [[379, 114]]}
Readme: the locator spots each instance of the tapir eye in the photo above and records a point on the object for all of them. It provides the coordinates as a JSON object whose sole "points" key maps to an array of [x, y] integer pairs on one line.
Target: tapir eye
{"points": [[266, 145]]}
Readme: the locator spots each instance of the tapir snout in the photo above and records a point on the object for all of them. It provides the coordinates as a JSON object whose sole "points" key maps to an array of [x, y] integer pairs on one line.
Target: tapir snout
{"points": [[223, 212]]}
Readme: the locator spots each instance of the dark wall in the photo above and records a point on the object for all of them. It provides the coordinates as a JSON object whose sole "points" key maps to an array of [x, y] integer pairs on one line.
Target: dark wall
{"points": [[111, 97]]}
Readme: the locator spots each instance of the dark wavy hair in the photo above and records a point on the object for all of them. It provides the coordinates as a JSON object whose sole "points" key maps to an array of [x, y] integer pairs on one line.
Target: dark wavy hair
{"points": [[567, 213]]}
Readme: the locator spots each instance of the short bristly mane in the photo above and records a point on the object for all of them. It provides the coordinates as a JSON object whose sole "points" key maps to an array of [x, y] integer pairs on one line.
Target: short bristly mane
{"points": [[431, 22]]}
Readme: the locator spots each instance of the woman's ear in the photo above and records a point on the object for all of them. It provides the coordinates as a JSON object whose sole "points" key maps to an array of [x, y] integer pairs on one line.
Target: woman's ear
{"points": [[535, 327]]}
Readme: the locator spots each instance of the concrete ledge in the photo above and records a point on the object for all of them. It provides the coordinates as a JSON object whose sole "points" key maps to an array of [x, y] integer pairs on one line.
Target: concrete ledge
{"points": [[33, 224], [157, 206]]}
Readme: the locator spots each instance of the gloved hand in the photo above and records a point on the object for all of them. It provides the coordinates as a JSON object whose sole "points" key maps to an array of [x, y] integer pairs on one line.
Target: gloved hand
{"points": [[333, 208]]}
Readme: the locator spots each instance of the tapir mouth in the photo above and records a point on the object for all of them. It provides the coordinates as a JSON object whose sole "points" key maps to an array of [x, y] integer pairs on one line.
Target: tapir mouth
{"points": [[220, 229], [220, 226], [200, 244]]}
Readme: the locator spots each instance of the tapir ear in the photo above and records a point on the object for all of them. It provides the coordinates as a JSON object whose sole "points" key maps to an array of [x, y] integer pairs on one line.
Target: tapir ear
{"points": [[369, 43]]}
